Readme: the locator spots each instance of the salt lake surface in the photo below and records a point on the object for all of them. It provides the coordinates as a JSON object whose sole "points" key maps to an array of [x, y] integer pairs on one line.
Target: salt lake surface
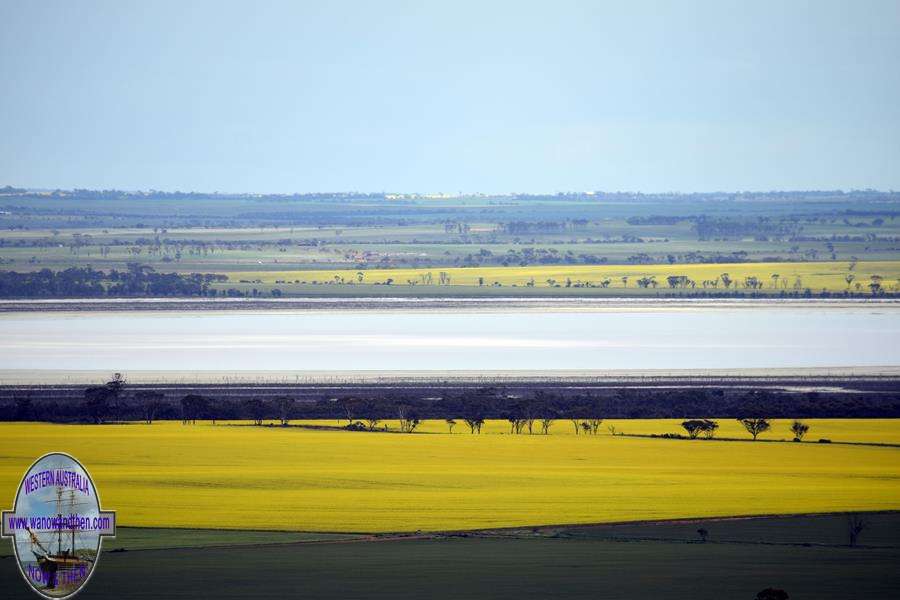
{"points": [[647, 337]]}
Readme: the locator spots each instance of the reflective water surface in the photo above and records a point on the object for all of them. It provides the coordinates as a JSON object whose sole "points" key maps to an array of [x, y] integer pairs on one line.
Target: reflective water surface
{"points": [[323, 340]]}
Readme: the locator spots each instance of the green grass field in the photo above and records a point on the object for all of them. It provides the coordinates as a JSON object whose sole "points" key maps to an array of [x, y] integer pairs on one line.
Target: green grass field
{"points": [[806, 556]]}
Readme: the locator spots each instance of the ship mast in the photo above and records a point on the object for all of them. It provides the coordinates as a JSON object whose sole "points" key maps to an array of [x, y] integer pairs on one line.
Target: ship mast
{"points": [[59, 492], [72, 522]]}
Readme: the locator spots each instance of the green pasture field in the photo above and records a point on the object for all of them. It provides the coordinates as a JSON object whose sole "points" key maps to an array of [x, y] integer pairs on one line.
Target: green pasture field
{"points": [[307, 248], [806, 556], [151, 538]]}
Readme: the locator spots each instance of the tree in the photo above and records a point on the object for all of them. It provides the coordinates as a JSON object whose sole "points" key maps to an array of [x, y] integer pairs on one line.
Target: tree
{"points": [[473, 412], [703, 533], [516, 417], [115, 386], [875, 284], [474, 423], [799, 429], [516, 424], [855, 526], [256, 409], [546, 424], [693, 427], [350, 407], [709, 428], [408, 419], [755, 426], [96, 403], [371, 413], [23, 410], [285, 405], [150, 403], [576, 422], [193, 407], [450, 424]]}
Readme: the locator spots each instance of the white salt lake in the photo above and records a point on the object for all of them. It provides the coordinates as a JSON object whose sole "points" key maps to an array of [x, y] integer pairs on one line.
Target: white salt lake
{"points": [[644, 337]]}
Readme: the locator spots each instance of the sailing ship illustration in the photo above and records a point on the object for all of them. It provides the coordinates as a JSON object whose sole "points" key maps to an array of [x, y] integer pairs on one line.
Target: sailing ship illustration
{"points": [[69, 564]]}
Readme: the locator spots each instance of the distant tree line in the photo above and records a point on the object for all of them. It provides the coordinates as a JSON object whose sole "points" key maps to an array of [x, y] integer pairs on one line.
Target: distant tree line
{"points": [[85, 282], [529, 412]]}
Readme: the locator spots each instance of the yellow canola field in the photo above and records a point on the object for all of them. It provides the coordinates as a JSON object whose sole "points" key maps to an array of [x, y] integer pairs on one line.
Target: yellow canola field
{"points": [[813, 275], [242, 477], [870, 431]]}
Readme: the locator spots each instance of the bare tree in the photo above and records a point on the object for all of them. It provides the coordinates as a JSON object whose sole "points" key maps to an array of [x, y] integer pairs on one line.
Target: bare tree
{"points": [[755, 426], [450, 424], [408, 419], [150, 404], [350, 407], [546, 424]]}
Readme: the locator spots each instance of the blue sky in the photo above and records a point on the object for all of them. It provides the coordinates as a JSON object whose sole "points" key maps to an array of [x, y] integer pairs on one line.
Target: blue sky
{"points": [[450, 96]]}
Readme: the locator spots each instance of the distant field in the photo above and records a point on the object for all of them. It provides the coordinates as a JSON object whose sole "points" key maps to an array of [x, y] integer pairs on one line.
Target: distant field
{"points": [[791, 277], [806, 556], [152, 538], [294, 479]]}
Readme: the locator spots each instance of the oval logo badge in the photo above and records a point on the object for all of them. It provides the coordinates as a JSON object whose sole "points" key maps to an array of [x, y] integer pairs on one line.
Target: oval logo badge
{"points": [[57, 526]]}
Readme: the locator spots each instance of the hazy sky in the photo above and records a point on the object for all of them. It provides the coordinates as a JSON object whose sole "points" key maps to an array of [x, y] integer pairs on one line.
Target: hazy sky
{"points": [[450, 96]]}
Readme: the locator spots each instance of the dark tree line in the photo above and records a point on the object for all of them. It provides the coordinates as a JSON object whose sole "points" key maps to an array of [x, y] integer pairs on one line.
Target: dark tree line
{"points": [[85, 282], [523, 409]]}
